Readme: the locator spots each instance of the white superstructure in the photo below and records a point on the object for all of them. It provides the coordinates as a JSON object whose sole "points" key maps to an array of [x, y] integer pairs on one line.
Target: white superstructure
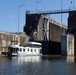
{"points": [[30, 48]]}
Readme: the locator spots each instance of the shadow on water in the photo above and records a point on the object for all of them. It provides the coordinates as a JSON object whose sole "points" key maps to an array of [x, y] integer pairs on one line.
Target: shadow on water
{"points": [[51, 57]]}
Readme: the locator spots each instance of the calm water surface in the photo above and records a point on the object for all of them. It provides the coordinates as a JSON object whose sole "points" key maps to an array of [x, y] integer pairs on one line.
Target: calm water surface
{"points": [[38, 65]]}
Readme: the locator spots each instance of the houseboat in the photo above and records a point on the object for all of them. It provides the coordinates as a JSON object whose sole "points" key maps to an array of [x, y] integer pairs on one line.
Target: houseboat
{"points": [[29, 48]]}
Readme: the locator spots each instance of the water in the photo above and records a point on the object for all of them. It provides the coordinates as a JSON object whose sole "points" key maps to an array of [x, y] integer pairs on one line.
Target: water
{"points": [[38, 65]]}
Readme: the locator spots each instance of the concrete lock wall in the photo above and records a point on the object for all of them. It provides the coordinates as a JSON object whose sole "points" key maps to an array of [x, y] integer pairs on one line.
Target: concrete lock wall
{"points": [[6, 38]]}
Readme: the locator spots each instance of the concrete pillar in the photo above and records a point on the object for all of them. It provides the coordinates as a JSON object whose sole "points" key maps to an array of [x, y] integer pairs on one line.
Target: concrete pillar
{"points": [[67, 45]]}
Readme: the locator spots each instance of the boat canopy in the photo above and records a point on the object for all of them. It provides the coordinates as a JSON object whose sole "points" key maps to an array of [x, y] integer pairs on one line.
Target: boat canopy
{"points": [[32, 43]]}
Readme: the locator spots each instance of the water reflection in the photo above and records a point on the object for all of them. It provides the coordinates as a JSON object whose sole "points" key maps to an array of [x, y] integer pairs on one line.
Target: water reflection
{"points": [[70, 59], [38, 65], [26, 59]]}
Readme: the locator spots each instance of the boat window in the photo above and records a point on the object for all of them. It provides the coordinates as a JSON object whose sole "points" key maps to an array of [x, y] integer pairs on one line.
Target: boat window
{"points": [[20, 50], [35, 50], [17, 49], [31, 50], [40, 51], [28, 49], [24, 50]]}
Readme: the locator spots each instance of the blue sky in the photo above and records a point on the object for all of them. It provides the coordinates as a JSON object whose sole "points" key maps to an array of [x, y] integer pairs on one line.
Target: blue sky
{"points": [[9, 11]]}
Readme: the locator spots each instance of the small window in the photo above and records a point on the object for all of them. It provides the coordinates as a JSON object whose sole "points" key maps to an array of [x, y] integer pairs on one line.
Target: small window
{"points": [[20, 50], [31, 50], [40, 51], [17, 49], [28, 49], [24, 50], [35, 50]]}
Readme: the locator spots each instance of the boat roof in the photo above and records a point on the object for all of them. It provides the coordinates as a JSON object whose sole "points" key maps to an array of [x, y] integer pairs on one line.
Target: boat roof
{"points": [[12, 45], [16, 46], [33, 43]]}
